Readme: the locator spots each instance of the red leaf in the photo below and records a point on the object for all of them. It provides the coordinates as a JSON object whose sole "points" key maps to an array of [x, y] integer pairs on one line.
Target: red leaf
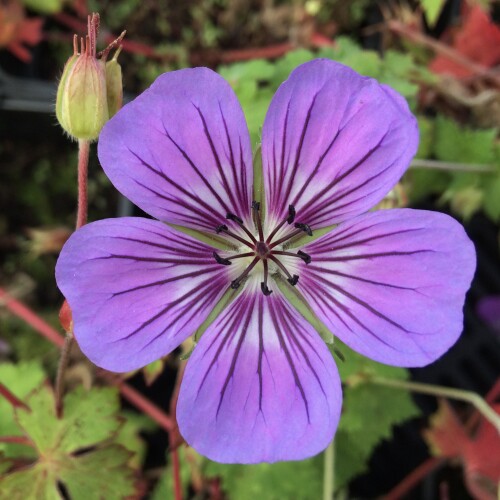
{"points": [[478, 40]]}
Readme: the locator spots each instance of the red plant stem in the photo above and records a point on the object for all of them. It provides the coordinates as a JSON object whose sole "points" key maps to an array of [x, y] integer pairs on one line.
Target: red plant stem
{"points": [[174, 436], [28, 316], [83, 168], [63, 364], [412, 479], [12, 398], [43, 328], [17, 440]]}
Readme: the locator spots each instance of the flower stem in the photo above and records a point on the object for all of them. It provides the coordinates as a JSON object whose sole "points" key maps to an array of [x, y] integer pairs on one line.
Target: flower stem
{"points": [[437, 390], [61, 368], [453, 166], [329, 472], [14, 401], [83, 165]]}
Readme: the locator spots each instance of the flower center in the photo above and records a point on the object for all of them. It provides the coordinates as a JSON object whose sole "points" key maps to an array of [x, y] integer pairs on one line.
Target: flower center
{"points": [[262, 249]]}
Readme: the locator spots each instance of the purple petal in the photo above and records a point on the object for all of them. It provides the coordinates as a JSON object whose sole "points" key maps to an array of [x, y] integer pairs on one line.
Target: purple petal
{"points": [[391, 284], [334, 143], [137, 289], [181, 150], [488, 309], [261, 385]]}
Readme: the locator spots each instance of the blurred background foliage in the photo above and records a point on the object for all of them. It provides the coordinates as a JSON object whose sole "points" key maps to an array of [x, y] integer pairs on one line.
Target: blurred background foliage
{"points": [[442, 56]]}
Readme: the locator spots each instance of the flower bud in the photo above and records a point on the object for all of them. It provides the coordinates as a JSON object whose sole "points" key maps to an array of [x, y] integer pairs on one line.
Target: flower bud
{"points": [[81, 105], [114, 86]]}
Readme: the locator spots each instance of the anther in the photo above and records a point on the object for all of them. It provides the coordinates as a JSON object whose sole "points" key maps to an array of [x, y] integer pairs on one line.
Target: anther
{"points": [[265, 289], [293, 280], [234, 218], [255, 205], [235, 284], [221, 228], [291, 214], [304, 227], [221, 260], [304, 256]]}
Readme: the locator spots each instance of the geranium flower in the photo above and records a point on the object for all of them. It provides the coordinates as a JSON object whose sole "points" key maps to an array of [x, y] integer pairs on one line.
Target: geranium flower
{"points": [[261, 385]]}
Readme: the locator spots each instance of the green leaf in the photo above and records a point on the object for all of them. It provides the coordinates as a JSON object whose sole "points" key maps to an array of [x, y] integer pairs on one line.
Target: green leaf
{"points": [[278, 481], [284, 66], [102, 473], [89, 418], [98, 474], [432, 9], [454, 143], [491, 202], [20, 379], [426, 130], [256, 70], [76, 452], [369, 413], [152, 371]]}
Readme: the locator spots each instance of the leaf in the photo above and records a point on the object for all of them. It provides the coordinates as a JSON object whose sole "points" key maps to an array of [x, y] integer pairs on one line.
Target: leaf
{"points": [[152, 371], [256, 70], [369, 413], [279, 481], [477, 40], [20, 379], [454, 143], [432, 9], [89, 418], [491, 202], [76, 453], [478, 452]]}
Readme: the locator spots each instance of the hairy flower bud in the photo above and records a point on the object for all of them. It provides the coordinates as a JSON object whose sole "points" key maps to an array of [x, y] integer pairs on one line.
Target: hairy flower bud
{"points": [[89, 86], [114, 85], [81, 105]]}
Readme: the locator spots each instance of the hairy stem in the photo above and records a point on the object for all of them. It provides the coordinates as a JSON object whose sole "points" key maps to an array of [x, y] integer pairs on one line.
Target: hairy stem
{"points": [[329, 472], [437, 390], [61, 368], [83, 167], [14, 401]]}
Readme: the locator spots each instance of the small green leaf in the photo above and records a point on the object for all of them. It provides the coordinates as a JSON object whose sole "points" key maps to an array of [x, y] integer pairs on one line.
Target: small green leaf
{"points": [[20, 379], [279, 481], [454, 143], [89, 418], [491, 202], [432, 9], [153, 370]]}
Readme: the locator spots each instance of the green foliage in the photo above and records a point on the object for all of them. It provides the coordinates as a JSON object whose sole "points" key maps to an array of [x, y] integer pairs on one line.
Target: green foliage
{"points": [[369, 413], [79, 451], [432, 9], [44, 6], [20, 379], [279, 481]]}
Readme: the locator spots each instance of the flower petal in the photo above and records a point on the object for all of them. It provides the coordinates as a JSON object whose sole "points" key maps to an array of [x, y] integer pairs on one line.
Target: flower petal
{"points": [[261, 385], [181, 150], [137, 289], [391, 284], [333, 144]]}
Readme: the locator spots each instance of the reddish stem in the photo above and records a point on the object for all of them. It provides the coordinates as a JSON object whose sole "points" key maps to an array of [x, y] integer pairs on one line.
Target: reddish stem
{"points": [[412, 479], [17, 440], [83, 168], [43, 328], [63, 364], [12, 398], [28, 316]]}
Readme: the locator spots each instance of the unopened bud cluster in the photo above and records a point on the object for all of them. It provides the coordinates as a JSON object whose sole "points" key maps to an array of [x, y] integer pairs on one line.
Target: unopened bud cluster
{"points": [[90, 91]]}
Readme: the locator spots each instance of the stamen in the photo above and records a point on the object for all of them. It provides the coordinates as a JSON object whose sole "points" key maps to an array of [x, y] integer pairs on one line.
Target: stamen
{"points": [[305, 227], [221, 260], [224, 229], [237, 282], [263, 285], [285, 238], [256, 208], [239, 221], [293, 280], [302, 255], [289, 219]]}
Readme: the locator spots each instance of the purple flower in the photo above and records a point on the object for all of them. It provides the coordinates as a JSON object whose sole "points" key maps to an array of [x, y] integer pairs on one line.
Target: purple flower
{"points": [[261, 385]]}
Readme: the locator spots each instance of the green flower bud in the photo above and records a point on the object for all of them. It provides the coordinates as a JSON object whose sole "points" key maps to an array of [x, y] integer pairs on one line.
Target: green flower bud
{"points": [[81, 104], [114, 85]]}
